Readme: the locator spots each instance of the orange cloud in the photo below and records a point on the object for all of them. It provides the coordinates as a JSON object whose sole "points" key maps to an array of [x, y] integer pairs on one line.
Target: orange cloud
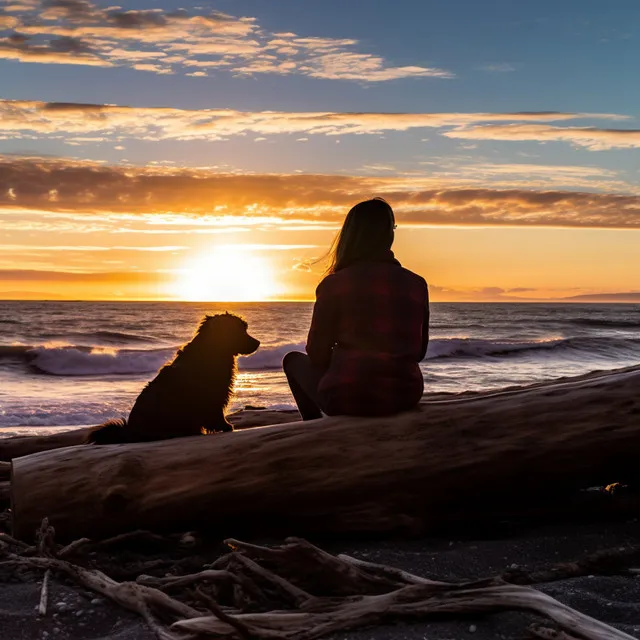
{"points": [[81, 189], [589, 137]]}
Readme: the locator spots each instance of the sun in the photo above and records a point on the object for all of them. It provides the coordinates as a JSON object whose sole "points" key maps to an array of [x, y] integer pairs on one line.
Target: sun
{"points": [[227, 274]]}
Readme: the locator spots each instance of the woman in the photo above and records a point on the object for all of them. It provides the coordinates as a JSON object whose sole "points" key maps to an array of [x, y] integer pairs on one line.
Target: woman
{"points": [[370, 326]]}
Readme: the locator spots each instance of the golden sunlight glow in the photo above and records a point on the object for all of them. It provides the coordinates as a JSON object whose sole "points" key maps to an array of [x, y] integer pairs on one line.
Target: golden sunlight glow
{"points": [[227, 274]]}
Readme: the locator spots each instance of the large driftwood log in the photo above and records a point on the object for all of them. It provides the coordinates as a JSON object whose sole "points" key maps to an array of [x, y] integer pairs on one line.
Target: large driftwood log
{"points": [[448, 460], [19, 446]]}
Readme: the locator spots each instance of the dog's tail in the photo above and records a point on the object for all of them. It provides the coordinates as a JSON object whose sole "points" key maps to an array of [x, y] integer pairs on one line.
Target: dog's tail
{"points": [[111, 432]]}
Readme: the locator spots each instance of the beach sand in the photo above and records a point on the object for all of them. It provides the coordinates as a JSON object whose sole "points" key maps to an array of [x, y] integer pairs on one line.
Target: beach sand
{"points": [[81, 615]]}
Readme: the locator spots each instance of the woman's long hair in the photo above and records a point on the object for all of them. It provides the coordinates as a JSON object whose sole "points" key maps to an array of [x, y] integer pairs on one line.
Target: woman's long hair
{"points": [[367, 233]]}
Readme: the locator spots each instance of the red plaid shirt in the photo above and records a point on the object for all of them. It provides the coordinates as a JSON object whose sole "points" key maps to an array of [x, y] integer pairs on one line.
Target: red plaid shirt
{"points": [[369, 331]]}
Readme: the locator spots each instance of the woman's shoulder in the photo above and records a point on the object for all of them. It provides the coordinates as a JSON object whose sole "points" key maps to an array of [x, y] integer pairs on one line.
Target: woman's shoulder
{"points": [[326, 283], [360, 275], [414, 277]]}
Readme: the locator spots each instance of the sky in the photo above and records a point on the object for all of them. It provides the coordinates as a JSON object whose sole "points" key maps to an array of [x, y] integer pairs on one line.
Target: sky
{"points": [[210, 150]]}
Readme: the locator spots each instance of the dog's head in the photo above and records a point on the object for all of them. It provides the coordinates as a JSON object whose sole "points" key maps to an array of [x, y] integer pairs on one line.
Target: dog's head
{"points": [[229, 331]]}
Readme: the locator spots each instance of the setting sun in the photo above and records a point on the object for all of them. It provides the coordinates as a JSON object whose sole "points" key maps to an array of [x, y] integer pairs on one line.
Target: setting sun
{"points": [[227, 274]]}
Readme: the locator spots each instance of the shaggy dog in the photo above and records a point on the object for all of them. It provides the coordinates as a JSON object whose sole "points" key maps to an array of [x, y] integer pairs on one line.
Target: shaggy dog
{"points": [[190, 394]]}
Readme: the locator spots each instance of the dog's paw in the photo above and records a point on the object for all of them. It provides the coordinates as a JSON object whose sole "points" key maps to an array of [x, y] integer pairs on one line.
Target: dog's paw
{"points": [[219, 428]]}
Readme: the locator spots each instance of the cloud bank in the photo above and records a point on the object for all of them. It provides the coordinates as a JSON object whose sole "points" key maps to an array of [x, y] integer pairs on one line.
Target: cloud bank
{"points": [[165, 42], [60, 119], [82, 190]]}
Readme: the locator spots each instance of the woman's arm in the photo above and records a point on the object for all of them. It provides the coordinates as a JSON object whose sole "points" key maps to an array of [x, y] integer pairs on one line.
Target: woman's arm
{"points": [[322, 334], [425, 329]]}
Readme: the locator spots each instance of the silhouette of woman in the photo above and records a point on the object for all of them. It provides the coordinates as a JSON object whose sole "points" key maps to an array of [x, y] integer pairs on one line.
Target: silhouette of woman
{"points": [[370, 326]]}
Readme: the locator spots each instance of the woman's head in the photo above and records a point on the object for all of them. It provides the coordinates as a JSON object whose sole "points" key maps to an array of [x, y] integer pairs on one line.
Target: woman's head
{"points": [[367, 233]]}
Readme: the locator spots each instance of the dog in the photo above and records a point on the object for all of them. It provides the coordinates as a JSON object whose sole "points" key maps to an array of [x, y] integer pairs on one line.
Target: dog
{"points": [[190, 394]]}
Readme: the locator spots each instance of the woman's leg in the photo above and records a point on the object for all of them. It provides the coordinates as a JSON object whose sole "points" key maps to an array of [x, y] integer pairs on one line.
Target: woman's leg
{"points": [[303, 379]]}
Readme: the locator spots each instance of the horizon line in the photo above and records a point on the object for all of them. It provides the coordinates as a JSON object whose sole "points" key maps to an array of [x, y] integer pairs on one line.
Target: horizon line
{"points": [[568, 300]]}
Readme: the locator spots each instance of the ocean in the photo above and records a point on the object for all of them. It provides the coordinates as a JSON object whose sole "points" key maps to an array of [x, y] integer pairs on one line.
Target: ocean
{"points": [[76, 363]]}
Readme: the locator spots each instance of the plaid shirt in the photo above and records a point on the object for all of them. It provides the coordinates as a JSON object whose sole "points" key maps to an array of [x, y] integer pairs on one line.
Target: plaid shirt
{"points": [[369, 331]]}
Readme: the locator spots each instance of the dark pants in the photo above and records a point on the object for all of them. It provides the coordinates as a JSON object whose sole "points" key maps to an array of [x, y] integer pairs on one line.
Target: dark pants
{"points": [[303, 380]]}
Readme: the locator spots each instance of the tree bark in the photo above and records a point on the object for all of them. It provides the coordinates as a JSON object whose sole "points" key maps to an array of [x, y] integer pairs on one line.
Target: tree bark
{"points": [[446, 461], [18, 446]]}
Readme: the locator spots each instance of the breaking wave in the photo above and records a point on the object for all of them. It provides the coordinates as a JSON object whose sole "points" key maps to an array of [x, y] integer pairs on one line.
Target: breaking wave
{"points": [[78, 360]]}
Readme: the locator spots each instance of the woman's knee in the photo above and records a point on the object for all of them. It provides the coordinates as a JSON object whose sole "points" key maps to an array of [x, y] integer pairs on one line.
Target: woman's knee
{"points": [[292, 358]]}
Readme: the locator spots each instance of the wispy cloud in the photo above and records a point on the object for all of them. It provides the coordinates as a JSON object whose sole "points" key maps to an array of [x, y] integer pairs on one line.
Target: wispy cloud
{"points": [[87, 192], [42, 275], [87, 248], [471, 172], [588, 137], [497, 67], [159, 41], [59, 119]]}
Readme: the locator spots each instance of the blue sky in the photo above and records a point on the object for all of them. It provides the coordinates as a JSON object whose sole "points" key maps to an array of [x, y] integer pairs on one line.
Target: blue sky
{"points": [[464, 113]]}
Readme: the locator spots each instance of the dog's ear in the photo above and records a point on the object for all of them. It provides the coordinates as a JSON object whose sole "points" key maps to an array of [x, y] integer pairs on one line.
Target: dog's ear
{"points": [[204, 322]]}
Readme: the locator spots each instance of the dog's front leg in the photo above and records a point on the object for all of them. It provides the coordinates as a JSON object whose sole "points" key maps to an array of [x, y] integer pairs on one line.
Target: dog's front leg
{"points": [[218, 423]]}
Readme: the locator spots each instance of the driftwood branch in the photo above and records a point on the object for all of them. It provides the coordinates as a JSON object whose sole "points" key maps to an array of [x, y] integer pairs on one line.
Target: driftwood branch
{"points": [[410, 602], [44, 594], [73, 547], [145, 601], [169, 582], [245, 632]]}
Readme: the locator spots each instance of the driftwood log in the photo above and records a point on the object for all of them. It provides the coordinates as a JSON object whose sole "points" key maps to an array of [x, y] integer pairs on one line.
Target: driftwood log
{"points": [[19, 446], [448, 461]]}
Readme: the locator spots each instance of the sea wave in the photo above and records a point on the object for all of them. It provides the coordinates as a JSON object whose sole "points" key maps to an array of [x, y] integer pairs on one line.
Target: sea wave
{"points": [[268, 357], [478, 348], [604, 323], [79, 360], [73, 361], [99, 337]]}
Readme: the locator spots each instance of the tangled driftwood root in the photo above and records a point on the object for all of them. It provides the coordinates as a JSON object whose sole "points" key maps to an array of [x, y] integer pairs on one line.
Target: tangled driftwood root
{"points": [[297, 591]]}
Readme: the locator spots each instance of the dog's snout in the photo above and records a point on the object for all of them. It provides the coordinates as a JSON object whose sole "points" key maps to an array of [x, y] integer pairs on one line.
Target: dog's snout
{"points": [[250, 345]]}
